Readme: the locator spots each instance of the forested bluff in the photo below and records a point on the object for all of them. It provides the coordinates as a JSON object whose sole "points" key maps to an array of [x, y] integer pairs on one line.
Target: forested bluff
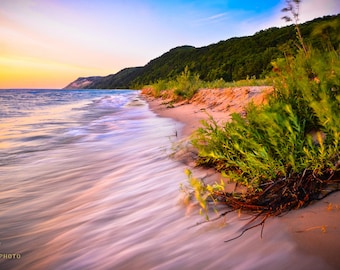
{"points": [[234, 59]]}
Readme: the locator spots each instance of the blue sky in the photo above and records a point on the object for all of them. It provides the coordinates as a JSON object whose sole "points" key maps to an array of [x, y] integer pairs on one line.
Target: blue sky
{"points": [[48, 43]]}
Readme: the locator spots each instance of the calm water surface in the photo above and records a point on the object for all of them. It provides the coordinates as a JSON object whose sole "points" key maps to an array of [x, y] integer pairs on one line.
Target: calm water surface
{"points": [[86, 183]]}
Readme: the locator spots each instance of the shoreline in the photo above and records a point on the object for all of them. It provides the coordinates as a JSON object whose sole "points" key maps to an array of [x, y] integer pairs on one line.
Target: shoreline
{"points": [[315, 228]]}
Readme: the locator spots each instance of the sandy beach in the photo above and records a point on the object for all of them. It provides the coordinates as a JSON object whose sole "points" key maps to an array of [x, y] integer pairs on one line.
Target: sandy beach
{"points": [[314, 228]]}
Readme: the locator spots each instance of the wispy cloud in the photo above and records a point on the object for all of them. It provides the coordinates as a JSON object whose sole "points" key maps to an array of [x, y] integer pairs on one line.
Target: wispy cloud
{"points": [[212, 19]]}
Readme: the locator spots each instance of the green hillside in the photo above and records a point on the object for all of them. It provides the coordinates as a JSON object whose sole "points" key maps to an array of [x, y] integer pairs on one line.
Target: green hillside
{"points": [[233, 59]]}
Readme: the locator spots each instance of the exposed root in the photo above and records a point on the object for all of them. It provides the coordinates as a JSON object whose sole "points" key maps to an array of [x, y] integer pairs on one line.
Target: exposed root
{"points": [[278, 197], [285, 194], [251, 227]]}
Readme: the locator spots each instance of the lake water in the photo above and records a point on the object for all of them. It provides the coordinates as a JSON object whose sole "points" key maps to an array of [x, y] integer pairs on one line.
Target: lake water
{"points": [[86, 182]]}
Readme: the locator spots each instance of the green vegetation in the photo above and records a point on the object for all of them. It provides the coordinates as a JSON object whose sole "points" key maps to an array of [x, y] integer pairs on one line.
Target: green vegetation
{"points": [[237, 58], [276, 139], [285, 153], [185, 85], [230, 60], [240, 57], [119, 80]]}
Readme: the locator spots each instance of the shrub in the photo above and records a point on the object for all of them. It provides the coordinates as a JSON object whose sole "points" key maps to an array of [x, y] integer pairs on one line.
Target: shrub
{"points": [[292, 140], [187, 84]]}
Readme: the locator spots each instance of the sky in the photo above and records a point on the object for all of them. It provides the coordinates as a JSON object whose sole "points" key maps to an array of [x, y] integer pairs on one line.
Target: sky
{"points": [[49, 43]]}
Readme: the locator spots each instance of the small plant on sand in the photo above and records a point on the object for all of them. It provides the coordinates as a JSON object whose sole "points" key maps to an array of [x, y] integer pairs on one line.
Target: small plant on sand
{"points": [[187, 84], [158, 87], [182, 87]]}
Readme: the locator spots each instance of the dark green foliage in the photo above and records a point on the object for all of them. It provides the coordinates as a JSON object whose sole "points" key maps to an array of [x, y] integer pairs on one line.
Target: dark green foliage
{"points": [[167, 66], [120, 80], [237, 58], [231, 60]]}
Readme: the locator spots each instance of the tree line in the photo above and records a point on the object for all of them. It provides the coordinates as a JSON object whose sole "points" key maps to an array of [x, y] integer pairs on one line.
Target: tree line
{"points": [[231, 60]]}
